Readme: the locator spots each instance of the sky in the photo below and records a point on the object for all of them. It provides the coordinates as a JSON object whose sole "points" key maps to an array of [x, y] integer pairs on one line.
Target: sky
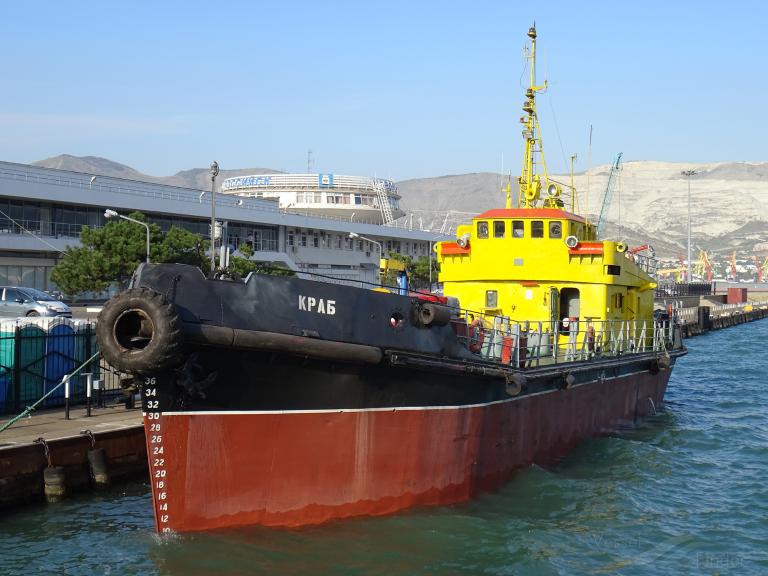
{"points": [[394, 89]]}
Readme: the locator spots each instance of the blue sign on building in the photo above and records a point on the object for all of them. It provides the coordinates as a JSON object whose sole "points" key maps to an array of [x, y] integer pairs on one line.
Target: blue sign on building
{"points": [[325, 180]]}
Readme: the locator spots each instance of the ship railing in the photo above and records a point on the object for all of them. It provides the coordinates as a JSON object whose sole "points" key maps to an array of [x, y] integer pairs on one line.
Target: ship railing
{"points": [[645, 262], [532, 344]]}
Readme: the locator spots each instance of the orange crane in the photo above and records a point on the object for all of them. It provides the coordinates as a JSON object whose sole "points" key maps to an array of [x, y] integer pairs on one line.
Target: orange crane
{"points": [[762, 269], [703, 266]]}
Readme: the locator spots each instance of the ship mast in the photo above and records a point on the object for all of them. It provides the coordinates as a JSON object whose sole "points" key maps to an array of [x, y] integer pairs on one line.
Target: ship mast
{"points": [[530, 182]]}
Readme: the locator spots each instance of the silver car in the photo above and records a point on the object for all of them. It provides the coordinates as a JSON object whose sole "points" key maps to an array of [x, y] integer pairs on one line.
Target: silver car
{"points": [[18, 301]]}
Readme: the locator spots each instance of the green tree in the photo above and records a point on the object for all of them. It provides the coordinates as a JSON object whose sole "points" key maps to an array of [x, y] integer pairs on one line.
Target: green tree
{"points": [[241, 266], [110, 254], [420, 274], [417, 270], [182, 247]]}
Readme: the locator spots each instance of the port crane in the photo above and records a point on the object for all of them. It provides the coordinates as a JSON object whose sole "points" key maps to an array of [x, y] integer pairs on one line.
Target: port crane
{"points": [[732, 263], [762, 269], [703, 266], [613, 177]]}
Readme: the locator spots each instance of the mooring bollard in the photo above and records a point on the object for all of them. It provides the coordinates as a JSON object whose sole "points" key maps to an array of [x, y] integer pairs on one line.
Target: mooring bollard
{"points": [[88, 390], [66, 397], [98, 384]]}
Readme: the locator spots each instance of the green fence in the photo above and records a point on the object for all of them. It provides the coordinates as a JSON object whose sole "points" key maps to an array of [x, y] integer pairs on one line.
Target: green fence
{"points": [[36, 353]]}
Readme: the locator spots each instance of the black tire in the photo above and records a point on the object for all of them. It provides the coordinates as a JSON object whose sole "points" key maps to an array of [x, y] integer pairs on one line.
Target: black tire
{"points": [[139, 331], [32, 313]]}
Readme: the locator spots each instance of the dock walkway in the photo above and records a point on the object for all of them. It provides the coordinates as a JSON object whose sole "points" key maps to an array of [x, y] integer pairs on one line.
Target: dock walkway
{"points": [[23, 459], [51, 424]]}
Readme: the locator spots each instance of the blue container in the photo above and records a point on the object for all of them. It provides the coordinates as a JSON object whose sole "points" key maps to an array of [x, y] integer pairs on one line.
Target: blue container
{"points": [[60, 360], [32, 363], [7, 364]]}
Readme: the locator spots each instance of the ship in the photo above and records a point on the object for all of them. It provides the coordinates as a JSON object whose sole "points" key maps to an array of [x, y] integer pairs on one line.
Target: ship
{"points": [[290, 401]]}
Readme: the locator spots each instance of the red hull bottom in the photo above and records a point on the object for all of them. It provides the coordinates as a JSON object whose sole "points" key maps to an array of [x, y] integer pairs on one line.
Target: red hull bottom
{"points": [[214, 470]]}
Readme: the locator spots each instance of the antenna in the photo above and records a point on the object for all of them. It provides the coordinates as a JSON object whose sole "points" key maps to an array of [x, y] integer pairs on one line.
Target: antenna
{"points": [[309, 161], [589, 174]]}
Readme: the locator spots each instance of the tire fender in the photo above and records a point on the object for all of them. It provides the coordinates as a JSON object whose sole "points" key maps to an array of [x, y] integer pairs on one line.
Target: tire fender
{"points": [[138, 331]]}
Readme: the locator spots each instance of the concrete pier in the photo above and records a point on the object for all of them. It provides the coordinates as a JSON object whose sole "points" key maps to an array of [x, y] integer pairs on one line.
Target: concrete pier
{"points": [[23, 459], [702, 319]]}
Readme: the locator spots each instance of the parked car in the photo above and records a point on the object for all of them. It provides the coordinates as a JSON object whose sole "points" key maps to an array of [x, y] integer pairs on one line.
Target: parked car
{"points": [[19, 301]]}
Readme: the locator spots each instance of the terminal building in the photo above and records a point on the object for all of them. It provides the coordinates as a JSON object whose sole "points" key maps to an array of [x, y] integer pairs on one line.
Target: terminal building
{"points": [[43, 210]]}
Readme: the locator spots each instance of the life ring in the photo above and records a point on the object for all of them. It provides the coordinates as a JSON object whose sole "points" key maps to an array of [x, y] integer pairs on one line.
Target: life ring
{"points": [[139, 331], [476, 336]]}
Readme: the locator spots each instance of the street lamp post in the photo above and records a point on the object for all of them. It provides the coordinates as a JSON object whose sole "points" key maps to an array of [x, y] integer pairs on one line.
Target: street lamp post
{"points": [[688, 174], [381, 251], [214, 173], [109, 213]]}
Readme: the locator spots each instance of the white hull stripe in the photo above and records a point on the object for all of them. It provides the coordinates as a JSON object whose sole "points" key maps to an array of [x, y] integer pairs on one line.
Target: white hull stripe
{"points": [[386, 409]]}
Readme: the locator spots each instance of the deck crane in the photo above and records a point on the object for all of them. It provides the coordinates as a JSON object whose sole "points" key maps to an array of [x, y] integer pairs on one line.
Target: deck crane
{"points": [[613, 177]]}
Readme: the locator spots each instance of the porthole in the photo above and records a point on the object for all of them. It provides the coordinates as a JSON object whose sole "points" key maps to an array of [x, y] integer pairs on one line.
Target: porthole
{"points": [[396, 320]]}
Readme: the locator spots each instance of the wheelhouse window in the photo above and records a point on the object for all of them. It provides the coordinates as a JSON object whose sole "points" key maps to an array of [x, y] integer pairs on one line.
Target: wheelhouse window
{"points": [[491, 298], [518, 229], [555, 229], [482, 229], [537, 229], [498, 228]]}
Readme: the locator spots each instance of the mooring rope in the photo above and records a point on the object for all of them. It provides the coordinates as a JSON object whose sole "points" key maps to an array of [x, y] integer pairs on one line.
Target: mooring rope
{"points": [[28, 410]]}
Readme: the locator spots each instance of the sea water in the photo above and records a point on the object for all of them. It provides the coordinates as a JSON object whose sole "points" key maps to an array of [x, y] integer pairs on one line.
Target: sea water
{"points": [[685, 492]]}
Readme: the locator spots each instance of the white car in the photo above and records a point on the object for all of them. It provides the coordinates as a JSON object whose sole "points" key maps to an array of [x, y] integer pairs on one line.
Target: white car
{"points": [[18, 301]]}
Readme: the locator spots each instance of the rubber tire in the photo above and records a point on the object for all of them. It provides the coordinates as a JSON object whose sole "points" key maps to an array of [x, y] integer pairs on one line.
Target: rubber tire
{"points": [[165, 347], [32, 314]]}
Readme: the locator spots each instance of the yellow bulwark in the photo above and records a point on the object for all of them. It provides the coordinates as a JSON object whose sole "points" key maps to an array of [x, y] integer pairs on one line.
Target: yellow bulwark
{"points": [[540, 262]]}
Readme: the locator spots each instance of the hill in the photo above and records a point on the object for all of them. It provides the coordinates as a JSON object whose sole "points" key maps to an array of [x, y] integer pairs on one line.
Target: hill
{"points": [[729, 201]]}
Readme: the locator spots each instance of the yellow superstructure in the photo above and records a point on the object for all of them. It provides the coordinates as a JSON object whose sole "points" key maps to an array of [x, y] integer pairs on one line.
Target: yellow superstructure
{"points": [[540, 262]]}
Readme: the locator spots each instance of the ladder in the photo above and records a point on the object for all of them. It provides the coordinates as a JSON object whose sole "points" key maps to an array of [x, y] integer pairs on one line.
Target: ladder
{"points": [[384, 205]]}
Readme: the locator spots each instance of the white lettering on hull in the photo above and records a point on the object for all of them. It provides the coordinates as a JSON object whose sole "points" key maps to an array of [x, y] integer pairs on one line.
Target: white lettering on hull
{"points": [[317, 305]]}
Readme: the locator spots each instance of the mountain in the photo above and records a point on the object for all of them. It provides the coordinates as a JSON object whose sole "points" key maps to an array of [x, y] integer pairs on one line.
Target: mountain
{"points": [[729, 203], [729, 200], [198, 178]]}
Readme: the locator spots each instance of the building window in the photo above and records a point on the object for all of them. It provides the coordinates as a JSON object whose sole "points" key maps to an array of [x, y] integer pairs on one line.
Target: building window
{"points": [[518, 228], [537, 229], [482, 229], [555, 229], [315, 240], [291, 238], [304, 240], [498, 228]]}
